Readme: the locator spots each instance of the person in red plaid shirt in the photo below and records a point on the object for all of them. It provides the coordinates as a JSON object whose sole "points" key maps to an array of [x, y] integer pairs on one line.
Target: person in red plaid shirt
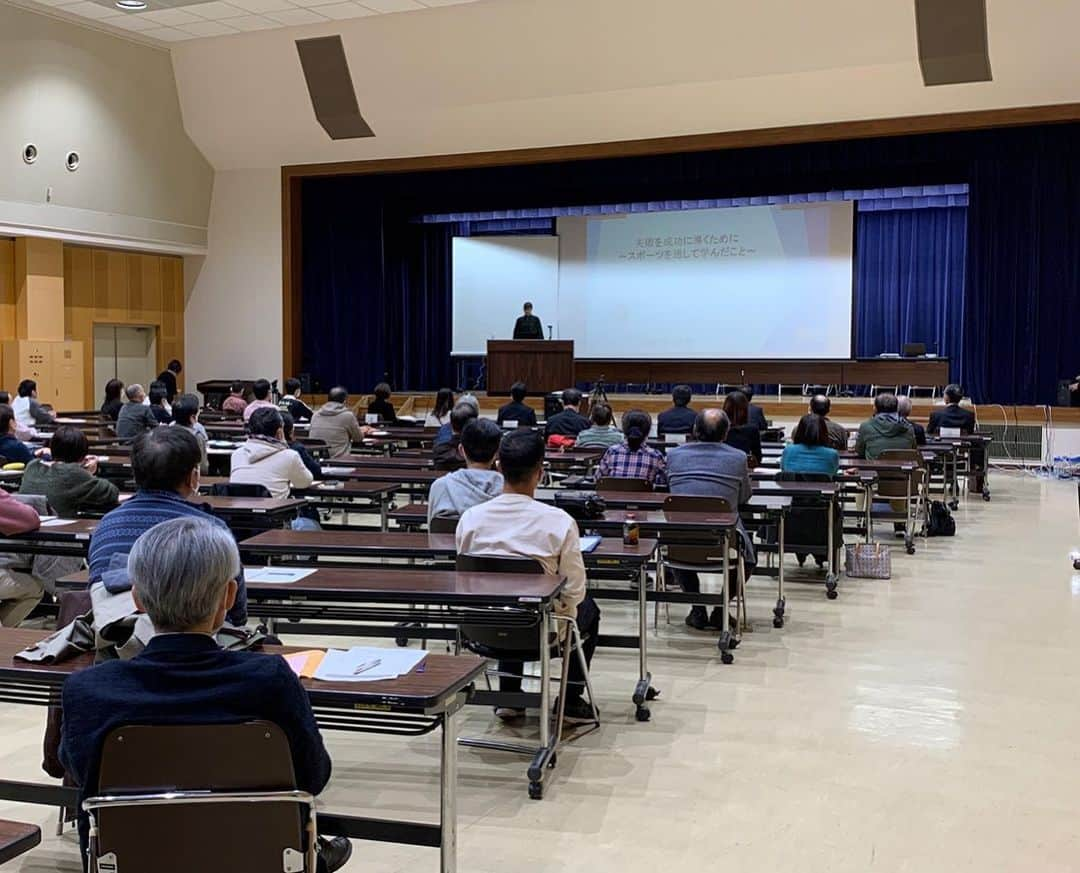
{"points": [[633, 459]]}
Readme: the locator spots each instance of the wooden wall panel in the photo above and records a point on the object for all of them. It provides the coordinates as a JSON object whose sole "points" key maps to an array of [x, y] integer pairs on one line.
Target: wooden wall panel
{"points": [[113, 287], [7, 293]]}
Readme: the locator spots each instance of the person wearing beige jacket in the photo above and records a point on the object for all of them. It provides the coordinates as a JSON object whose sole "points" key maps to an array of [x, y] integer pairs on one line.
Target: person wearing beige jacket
{"points": [[336, 424], [266, 459], [514, 525]]}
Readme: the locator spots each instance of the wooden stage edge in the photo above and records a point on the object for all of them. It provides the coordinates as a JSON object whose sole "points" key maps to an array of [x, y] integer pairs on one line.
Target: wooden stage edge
{"points": [[847, 409]]}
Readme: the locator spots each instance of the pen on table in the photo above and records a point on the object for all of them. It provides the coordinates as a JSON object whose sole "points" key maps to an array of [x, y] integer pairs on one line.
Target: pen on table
{"points": [[370, 665]]}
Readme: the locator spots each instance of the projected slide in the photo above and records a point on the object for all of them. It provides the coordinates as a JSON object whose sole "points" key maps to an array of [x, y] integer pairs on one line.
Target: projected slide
{"points": [[744, 282]]}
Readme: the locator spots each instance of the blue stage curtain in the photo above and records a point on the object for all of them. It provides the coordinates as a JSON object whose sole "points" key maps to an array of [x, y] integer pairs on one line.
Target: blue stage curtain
{"points": [[1023, 267], [909, 281]]}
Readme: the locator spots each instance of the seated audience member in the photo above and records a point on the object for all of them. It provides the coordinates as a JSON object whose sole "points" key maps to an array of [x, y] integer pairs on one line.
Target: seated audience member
{"points": [[312, 465], [261, 390], [886, 430], [165, 464], [445, 455], [20, 592], [568, 423], [28, 412], [514, 525], [634, 459], [709, 467], [186, 415], [755, 414], [335, 424], [602, 433], [167, 377], [381, 405], [953, 415], [680, 418], [69, 482], [838, 437], [810, 451], [266, 459], [440, 412], [135, 416], [292, 404], [235, 404], [12, 450], [517, 410], [903, 409], [741, 433], [158, 404], [110, 409], [183, 573], [446, 432], [451, 495]]}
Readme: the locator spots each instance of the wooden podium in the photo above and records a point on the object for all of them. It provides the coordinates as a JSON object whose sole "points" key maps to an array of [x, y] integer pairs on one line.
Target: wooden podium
{"points": [[543, 365]]}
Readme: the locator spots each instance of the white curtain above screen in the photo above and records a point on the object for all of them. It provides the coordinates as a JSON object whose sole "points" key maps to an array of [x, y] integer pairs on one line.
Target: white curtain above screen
{"points": [[493, 276], [745, 282]]}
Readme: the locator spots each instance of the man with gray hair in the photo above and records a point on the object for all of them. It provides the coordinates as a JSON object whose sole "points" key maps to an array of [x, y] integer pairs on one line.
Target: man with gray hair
{"points": [[903, 409], [708, 467], [184, 576], [134, 416]]}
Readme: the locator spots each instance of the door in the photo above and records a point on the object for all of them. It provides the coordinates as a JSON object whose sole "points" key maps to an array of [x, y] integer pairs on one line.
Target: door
{"points": [[124, 352]]}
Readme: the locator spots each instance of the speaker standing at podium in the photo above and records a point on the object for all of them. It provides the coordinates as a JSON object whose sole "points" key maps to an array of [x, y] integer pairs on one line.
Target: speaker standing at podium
{"points": [[528, 326]]}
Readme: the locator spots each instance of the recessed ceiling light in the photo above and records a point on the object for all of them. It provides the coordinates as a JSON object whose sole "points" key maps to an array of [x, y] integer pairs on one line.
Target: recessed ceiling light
{"points": [[130, 5]]}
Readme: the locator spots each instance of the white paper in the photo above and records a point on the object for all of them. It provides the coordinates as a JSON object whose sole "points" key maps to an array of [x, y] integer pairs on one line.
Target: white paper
{"points": [[56, 522], [336, 471], [341, 666], [589, 543], [276, 575]]}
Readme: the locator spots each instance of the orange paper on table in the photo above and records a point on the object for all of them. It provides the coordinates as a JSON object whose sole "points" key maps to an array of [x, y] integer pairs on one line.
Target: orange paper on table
{"points": [[304, 664]]}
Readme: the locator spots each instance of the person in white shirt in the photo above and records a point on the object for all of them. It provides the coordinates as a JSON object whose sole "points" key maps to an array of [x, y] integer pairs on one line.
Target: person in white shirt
{"points": [[266, 459], [28, 412], [514, 525]]}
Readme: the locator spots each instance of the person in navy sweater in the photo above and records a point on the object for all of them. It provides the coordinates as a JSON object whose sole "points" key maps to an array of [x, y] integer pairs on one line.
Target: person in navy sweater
{"points": [[184, 573], [165, 462], [11, 449]]}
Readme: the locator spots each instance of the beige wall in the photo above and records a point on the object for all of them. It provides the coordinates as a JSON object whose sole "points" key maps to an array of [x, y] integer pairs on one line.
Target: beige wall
{"points": [[524, 73], [141, 183], [233, 311]]}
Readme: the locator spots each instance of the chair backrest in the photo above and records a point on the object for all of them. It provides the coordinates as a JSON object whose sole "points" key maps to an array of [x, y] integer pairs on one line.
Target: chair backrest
{"points": [[896, 484], [500, 640], [612, 484], [204, 831], [695, 552], [444, 524], [238, 489]]}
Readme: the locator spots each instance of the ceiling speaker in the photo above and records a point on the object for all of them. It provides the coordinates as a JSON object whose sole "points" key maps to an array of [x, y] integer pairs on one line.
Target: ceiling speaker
{"points": [[330, 87], [952, 41]]}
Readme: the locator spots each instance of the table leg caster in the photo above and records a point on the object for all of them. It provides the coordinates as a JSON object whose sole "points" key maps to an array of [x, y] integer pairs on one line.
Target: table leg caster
{"points": [[642, 713], [652, 693], [831, 582], [954, 504], [726, 644], [909, 545], [1076, 563], [986, 496], [536, 791], [778, 613]]}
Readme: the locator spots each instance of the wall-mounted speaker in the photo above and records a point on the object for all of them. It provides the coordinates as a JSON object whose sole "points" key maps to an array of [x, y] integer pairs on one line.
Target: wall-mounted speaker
{"points": [[29, 153], [953, 45], [71, 161], [330, 87]]}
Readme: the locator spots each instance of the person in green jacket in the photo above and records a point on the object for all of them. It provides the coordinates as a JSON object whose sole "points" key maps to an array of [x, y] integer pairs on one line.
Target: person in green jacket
{"points": [[886, 430], [69, 482]]}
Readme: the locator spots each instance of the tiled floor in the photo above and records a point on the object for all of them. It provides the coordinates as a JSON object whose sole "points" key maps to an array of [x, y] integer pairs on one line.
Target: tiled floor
{"points": [[928, 723]]}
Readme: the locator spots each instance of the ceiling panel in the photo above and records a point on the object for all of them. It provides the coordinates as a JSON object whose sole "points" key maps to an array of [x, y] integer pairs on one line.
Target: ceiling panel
{"points": [[167, 21]]}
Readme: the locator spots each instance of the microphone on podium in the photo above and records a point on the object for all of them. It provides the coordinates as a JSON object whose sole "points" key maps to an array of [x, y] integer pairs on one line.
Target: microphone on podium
{"points": [[549, 331]]}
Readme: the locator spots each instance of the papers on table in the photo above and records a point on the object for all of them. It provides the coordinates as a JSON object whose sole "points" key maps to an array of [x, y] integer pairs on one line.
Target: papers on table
{"points": [[278, 575], [304, 664], [589, 543], [53, 521], [367, 664], [336, 471], [71, 421]]}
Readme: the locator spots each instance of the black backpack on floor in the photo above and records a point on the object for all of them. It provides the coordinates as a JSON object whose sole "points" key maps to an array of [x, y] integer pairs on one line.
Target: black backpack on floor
{"points": [[942, 524]]}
